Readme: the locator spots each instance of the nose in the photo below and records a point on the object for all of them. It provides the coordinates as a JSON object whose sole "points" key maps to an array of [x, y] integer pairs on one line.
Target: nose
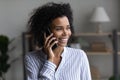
{"points": [[65, 32]]}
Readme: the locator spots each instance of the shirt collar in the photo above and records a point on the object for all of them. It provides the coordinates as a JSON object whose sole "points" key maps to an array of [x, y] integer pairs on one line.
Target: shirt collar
{"points": [[64, 52], [62, 55]]}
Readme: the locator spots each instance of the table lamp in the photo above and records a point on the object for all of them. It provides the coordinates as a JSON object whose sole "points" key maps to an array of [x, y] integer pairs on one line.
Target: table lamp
{"points": [[99, 16]]}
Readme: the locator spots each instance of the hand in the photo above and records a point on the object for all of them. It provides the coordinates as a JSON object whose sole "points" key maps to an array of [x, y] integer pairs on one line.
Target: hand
{"points": [[48, 44]]}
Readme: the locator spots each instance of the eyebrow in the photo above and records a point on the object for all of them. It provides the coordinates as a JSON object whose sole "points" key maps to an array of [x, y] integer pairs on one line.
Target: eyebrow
{"points": [[60, 26], [68, 25]]}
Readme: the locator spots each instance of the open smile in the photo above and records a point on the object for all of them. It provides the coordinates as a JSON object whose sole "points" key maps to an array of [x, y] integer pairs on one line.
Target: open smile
{"points": [[63, 40]]}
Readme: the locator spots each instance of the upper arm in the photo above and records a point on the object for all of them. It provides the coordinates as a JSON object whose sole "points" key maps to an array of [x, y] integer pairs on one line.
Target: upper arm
{"points": [[30, 68], [86, 74]]}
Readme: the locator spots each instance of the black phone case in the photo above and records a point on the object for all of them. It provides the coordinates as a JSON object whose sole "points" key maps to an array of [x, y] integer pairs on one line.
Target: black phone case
{"points": [[47, 34]]}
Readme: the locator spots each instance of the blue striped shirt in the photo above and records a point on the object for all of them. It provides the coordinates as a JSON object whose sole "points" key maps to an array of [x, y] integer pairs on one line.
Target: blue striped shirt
{"points": [[73, 66]]}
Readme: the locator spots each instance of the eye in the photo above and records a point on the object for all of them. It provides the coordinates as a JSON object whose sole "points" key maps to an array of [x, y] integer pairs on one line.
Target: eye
{"points": [[68, 27], [58, 28]]}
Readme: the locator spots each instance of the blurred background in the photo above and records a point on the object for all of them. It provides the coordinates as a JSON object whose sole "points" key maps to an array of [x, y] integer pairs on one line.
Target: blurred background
{"points": [[14, 15]]}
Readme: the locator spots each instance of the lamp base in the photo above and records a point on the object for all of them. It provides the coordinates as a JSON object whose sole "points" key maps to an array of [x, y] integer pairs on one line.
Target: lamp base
{"points": [[98, 29]]}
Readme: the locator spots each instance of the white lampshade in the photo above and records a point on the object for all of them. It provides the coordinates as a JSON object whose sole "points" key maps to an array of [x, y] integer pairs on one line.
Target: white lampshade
{"points": [[99, 15]]}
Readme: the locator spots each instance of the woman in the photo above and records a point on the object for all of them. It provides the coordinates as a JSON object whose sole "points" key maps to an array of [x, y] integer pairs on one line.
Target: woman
{"points": [[51, 28]]}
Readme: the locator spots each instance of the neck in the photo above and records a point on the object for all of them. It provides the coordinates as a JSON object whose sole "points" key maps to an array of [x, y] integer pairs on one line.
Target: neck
{"points": [[58, 51]]}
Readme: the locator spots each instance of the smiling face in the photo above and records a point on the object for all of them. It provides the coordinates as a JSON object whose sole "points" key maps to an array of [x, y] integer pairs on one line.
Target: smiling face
{"points": [[61, 30]]}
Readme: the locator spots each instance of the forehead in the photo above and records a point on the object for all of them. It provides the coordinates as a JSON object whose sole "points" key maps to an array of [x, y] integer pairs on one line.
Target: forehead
{"points": [[60, 21]]}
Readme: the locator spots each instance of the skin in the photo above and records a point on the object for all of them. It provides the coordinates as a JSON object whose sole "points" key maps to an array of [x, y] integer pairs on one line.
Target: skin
{"points": [[61, 32]]}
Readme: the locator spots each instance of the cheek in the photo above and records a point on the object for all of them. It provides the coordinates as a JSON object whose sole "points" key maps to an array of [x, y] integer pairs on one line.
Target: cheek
{"points": [[57, 34], [69, 33]]}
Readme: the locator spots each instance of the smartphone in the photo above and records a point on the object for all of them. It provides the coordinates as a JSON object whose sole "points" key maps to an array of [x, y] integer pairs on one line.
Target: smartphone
{"points": [[48, 32]]}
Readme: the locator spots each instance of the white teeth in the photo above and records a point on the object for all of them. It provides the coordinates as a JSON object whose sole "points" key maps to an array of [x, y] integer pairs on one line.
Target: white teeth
{"points": [[63, 40]]}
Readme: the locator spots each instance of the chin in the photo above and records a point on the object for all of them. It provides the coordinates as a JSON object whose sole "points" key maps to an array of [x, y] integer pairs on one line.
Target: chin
{"points": [[62, 45]]}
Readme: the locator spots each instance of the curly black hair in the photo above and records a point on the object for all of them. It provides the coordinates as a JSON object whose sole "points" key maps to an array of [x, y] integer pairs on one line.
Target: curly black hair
{"points": [[43, 16]]}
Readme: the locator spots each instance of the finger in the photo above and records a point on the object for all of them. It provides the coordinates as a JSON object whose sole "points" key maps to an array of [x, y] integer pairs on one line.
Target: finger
{"points": [[44, 35], [51, 40], [52, 44], [47, 38]]}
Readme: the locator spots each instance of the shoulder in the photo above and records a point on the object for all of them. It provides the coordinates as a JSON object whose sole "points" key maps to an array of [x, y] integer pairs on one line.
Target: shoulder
{"points": [[74, 51], [30, 55], [34, 55], [77, 54]]}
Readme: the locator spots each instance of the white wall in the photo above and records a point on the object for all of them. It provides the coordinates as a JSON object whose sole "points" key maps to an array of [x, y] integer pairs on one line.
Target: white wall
{"points": [[14, 15]]}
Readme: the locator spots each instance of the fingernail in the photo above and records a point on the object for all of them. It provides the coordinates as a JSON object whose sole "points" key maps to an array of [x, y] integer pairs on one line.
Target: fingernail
{"points": [[54, 37], [56, 42]]}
